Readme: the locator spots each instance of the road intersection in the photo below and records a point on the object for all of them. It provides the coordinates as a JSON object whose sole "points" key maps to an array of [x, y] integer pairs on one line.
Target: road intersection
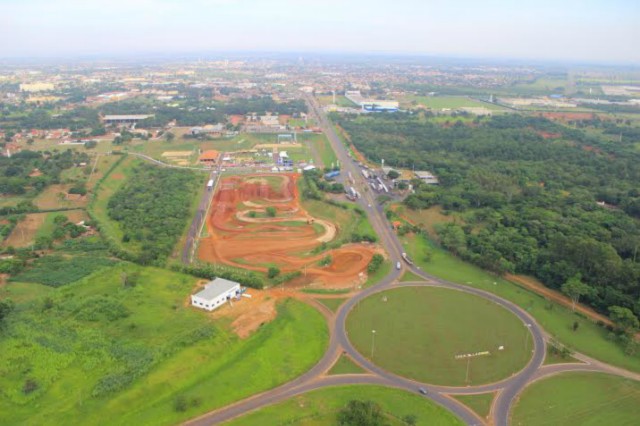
{"points": [[507, 390]]}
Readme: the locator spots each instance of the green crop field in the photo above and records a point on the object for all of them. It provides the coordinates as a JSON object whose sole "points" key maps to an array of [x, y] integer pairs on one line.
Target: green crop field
{"points": [[589, 339], [97, 352], [579, 399], [319, 408], [419, 331]]}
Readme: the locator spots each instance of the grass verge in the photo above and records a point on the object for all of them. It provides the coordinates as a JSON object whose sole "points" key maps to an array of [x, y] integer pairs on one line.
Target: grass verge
{"points": [[320, 408]]}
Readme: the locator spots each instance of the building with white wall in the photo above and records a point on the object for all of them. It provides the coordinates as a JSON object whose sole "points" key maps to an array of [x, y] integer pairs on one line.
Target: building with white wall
{"points": [[215, 294]]}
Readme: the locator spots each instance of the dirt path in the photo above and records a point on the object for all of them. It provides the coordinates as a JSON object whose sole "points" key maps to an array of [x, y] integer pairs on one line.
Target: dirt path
{"points": [[537, 287], [286, 241]]}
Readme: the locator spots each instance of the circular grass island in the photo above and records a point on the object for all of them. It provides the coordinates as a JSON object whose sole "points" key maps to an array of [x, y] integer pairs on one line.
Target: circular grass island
{"points": [[579, 399], [439, 336]]}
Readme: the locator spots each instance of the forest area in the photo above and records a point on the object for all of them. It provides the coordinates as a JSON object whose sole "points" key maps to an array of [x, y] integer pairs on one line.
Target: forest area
{"points": [[152, 209], [564, 209]]}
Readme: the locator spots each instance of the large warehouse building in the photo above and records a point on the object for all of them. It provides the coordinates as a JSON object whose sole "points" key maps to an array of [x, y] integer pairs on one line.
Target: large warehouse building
{"points": [[215, 294]]}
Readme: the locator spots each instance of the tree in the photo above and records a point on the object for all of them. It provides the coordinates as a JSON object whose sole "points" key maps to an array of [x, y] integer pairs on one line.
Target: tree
{"points": [[393, 174], [624, 319], [361, 413], [271, 211], [169, 136], [410, 419], [574, 288]]}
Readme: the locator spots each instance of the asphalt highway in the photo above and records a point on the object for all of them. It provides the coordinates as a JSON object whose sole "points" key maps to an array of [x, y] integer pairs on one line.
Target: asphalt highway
{"points": [[339, 342]]}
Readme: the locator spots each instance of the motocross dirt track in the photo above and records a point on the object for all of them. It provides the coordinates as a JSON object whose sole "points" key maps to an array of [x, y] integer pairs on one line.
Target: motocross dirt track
{"points": [[285, 241]]}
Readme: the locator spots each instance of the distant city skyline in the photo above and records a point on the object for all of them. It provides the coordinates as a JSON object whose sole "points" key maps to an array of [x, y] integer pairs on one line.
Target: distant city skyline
{"points": [[562, 31]]}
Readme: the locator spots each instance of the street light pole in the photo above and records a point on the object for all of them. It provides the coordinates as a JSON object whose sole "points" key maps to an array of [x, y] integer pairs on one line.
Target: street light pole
{"points": [[373, 340], [468, 365]]}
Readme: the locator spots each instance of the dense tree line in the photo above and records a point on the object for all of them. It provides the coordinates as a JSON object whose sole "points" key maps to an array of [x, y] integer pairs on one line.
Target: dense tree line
{"points": [[262, 105], [49, 118], [527, 204], [15, 170], [152, 209], [193, 112]]}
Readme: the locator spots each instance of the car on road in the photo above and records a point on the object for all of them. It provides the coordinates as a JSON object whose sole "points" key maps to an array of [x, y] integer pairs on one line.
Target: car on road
{"points": [[422, 391], [398, 265]]}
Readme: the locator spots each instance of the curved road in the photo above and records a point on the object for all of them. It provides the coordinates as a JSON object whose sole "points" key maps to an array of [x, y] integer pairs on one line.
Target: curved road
{"points": [[508, 389]]}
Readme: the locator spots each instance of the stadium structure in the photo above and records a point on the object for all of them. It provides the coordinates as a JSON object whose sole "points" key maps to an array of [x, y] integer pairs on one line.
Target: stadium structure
{"points": [[371, 105]]}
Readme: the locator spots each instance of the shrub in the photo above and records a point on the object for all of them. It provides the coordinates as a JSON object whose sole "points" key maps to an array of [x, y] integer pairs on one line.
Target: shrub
{"points": [[273, 272], [30, 386]]}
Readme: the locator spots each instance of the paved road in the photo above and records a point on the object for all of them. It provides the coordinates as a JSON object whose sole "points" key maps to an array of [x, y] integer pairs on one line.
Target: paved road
{"points": [[339, 341]]}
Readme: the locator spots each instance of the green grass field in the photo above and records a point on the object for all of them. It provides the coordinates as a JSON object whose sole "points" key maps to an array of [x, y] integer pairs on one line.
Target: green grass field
{"points": [[480, 403], [321, 145], [345, 365], [332, 304], [452, 102], [319, 408], [579, 399], [419, 331], [378, 275], [106, 354], [590, 339]]}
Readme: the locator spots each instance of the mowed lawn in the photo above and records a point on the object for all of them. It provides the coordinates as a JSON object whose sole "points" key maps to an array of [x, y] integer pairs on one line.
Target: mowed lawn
{"points": [[589, 339], [420, 330], [585, 399], [320, 408], [101, 353]]}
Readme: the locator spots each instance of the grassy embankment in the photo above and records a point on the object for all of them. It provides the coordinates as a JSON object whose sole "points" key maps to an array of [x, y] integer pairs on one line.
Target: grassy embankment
{"points": [[98, 352], [320, 408], [579, 399]]}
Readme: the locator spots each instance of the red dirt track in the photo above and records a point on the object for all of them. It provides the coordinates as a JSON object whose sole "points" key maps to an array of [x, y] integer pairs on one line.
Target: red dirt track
{"points": [[286, 240]]}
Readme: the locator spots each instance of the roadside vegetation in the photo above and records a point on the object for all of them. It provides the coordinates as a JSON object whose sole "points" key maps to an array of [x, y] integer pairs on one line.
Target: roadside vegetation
{"points": [[327, 406], [578, 398], [352, 222]]}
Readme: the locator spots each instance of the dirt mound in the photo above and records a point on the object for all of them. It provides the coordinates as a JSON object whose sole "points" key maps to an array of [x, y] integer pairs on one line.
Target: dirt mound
{"points": [[287, 240]]}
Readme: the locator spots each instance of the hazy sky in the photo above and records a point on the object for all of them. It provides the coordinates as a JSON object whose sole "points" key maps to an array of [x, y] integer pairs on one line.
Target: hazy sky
{"points": [[591, 30]]}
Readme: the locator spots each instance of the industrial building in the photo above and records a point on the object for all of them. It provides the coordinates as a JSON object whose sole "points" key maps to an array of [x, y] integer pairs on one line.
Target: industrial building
{"points": [[427, 177], [215, 294], [125, 119]]}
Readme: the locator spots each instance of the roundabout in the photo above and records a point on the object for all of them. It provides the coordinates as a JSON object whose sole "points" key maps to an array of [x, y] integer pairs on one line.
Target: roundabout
{"points": [[439, 336]]}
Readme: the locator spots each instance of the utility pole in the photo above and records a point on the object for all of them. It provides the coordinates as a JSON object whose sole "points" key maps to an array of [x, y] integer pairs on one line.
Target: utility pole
{"points": [[468, 365], [373, 340]]}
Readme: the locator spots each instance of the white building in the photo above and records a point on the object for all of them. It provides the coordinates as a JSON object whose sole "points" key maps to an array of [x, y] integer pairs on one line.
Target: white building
{"points": [[215, 294], [427, 177]]}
